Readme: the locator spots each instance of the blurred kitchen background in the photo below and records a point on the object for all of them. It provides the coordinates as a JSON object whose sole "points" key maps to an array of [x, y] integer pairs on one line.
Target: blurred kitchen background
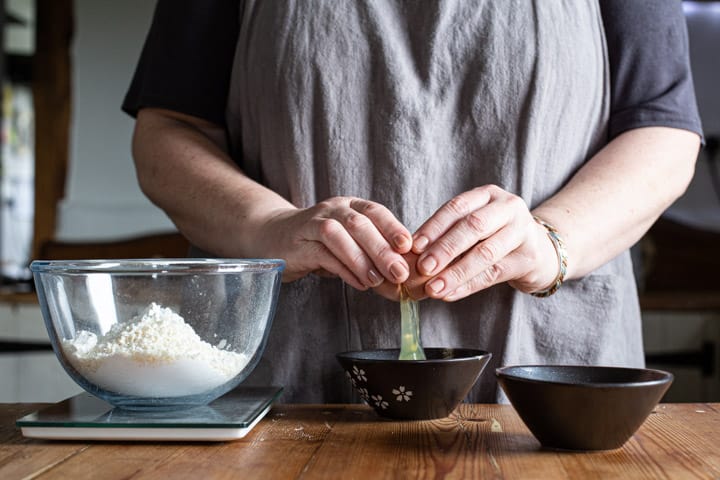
{"points": [[68, 190]]}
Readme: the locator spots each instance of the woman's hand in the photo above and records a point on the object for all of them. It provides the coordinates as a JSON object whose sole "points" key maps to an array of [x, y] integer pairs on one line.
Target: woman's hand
{"points": [[358, 240], [415, 283], [481, 238]]}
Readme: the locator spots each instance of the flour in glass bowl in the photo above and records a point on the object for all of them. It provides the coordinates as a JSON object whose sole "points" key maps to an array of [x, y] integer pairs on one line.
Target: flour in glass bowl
{"points": [[156, 354]]}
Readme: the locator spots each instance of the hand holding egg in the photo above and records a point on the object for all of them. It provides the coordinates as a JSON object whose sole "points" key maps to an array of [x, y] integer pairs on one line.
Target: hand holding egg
{"points": [[415, 284]]}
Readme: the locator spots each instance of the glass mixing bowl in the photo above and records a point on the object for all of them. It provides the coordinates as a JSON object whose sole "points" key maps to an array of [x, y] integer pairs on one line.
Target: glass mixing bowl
{"points": [[150, 334]]}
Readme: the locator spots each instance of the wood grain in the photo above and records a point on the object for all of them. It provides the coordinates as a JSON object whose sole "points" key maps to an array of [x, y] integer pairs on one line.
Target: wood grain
{"points": [[51, 98], [165, 245], [25, 458], [351, 442]]}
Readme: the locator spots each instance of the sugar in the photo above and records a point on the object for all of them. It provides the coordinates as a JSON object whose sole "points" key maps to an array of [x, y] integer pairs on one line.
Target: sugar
{"points": [[156, 354]]}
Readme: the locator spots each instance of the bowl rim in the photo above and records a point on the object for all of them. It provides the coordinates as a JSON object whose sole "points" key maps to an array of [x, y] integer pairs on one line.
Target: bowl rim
{"points": [[664, 376], [157, 265], [478, 354]]}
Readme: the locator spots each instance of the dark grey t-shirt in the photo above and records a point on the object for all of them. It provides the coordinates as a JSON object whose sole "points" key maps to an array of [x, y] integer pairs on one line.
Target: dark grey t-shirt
{"points": [[650, 73], [187, 60]]}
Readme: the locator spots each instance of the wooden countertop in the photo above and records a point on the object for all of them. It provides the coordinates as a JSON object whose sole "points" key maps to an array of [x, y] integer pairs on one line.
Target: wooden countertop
{"points": [[351, 442]]}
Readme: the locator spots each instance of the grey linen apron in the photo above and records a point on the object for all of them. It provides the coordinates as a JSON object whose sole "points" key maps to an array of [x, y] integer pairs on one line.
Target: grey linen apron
{"points": [[408, 103]]}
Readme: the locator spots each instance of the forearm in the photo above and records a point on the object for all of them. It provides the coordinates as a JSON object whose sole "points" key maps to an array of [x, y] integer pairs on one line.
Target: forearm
{"points": [[183, 167], [615, 198]]}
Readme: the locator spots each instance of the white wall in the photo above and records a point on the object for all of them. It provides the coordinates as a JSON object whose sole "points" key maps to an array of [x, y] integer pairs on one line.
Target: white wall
{"points": [[103, 200]]}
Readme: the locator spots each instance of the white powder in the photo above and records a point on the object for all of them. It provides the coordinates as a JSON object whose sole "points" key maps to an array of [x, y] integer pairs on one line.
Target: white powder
{"points": [[155, 354]]}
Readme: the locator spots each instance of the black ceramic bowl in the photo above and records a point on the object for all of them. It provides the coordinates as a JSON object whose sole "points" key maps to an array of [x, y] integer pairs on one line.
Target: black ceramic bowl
{"points": [[583, 407], [414, 389]]}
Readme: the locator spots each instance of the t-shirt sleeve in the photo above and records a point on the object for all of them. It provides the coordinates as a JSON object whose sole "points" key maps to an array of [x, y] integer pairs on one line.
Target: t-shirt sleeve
{"points": [[187, 59], [650, 78]]}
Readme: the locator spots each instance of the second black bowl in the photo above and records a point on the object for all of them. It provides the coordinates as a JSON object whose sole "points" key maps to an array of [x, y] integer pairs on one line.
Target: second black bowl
{"points": [[583, 407]]}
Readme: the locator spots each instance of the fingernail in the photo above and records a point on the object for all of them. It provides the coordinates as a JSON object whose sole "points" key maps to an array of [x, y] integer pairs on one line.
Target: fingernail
{"points": [[428, 264], [401, 241], [399, 271], [374, 278], [437, 285], [420, 243]]}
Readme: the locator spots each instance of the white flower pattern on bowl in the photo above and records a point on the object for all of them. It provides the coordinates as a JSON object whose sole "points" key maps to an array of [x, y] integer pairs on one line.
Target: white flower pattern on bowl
{"points": [[402, 394], [379, 402], [359, 373]]}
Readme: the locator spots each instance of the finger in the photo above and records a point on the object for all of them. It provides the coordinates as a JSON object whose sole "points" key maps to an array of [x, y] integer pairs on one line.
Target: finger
{"points": [[340, 244], [389, 291], [331, 266], [362, 229], [482, 259], [446, 216], [510, 267], [389, 227], [468, 231], [336, 267]]}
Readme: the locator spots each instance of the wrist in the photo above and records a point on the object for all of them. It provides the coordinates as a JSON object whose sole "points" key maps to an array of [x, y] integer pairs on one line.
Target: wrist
{"points": [[558, 252], [256, 209], [257, 235]]}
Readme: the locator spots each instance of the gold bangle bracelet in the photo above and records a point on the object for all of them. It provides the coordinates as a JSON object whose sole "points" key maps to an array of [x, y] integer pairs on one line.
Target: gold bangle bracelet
{"points": [[561, 255]]}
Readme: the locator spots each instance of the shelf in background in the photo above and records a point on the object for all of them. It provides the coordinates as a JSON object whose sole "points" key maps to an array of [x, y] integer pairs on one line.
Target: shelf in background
{"points": [[681, 300], [18, 297]]}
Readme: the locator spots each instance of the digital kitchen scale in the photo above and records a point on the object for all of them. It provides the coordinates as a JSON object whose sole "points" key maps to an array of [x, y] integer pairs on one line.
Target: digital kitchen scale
{"points": [[86, 417]]}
